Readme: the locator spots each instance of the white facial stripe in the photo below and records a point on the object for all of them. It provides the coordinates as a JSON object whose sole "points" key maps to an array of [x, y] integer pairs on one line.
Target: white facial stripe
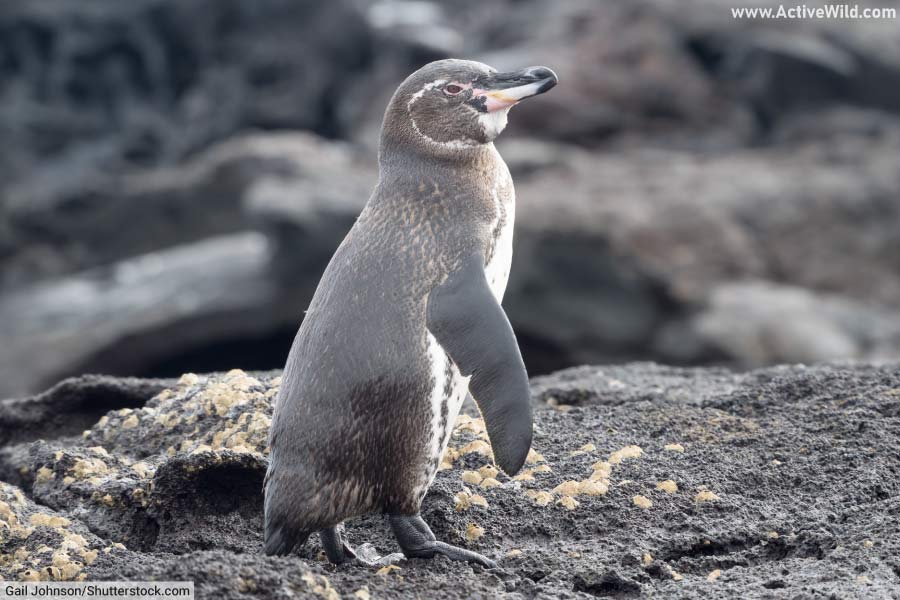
{"points": [[425, 88], [457, 144]]}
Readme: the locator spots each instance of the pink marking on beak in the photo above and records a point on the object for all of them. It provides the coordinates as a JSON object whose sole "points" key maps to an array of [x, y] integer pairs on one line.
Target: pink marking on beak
{"points": [[496, 99]]}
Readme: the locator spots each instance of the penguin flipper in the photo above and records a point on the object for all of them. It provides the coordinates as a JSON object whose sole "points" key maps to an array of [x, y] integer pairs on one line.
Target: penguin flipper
{"points": [[467, 321]]}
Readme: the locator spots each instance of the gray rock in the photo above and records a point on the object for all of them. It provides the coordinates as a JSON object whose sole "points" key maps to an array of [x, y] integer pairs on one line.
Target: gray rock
{"points": [[279, 203], [151, 81], [778, 481], [759, 323], [614, 247], [55, 226], [122, 316]]}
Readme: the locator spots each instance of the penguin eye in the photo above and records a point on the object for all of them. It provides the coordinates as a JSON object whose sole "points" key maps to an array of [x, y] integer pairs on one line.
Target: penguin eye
{"points": [[453, 89]]}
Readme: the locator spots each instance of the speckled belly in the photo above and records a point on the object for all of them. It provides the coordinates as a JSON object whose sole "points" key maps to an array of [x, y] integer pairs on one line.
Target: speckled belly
{"points": [[446, 399]]}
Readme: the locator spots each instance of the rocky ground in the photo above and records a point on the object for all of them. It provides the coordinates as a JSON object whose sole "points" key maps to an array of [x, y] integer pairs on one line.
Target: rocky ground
{"points": [[644, 480], [178, 172]]}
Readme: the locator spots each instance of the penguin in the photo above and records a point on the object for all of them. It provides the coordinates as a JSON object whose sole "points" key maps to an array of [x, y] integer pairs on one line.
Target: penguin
{"points": [[406, 320]]}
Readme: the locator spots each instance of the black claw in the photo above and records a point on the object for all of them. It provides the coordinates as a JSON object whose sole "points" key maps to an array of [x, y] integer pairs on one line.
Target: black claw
{"points": [[417, 541], [461, 554]]}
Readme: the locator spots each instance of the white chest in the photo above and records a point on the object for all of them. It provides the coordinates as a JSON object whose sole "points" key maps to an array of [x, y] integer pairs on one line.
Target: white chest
{"points": [[500, 255]]}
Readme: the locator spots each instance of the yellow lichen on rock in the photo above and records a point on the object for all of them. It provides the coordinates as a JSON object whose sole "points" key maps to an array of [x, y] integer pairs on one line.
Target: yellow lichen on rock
{"points": [[245, 585], [44, 474], [566, 488], [140, 496], [490, 482], [583, 450], [592, 488], [387, 570], [647, 559], [143, 469], [86, 467], [668, 486], [526, 475], [362, 593], [220, 396], [642, 501], [627, 452], [464, 500], [674, 448], [73, 541], [68, 568], [188, 379], [602, 470], [168, 420], [465, 423], [713, 575], [44, 520], [476, 447], [488, 471], [320, 586], [10, 522], [705, 496], [568, 502], [540, 497], [534, 457], [60, 556], [474, 532], [471, 477], [446, 462], [478, 500]]}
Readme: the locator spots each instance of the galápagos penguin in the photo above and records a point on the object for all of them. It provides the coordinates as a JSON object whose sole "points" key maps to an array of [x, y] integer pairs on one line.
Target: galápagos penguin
{"points": [[405, 321]]}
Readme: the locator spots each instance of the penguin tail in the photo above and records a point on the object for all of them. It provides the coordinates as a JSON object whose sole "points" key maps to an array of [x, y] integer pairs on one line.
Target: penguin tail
{"points": [[283, 529], [280, 540]]}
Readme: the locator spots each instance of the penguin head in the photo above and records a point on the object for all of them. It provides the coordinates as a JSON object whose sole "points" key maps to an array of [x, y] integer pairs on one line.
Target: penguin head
{"points": [[452, 105]]}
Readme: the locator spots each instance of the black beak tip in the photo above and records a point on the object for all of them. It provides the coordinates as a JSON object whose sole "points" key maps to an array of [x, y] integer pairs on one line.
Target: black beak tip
{"points": [[547, 76]]}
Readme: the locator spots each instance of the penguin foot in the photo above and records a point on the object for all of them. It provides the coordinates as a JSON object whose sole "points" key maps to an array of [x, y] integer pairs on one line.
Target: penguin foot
{"points": [[417, 541], [367, 555], [339, 552], [336, 550]]}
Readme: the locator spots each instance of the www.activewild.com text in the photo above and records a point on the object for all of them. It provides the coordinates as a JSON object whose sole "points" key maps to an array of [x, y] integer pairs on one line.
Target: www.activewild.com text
{"points": [[829, 11]]}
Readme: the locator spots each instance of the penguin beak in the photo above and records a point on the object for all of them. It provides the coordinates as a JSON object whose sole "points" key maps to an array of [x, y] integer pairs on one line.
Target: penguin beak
{"points": [[504, 90]]}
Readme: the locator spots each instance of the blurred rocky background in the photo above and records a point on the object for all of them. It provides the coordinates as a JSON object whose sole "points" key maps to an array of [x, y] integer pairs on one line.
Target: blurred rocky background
{"points": [[175, 174]]}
